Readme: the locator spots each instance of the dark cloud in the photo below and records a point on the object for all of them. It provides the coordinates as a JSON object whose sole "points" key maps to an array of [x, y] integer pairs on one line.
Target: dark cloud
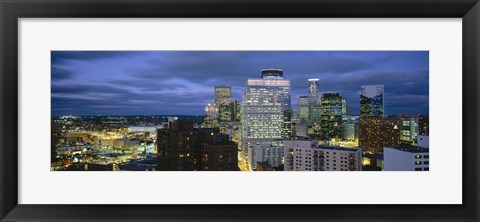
{"points": [[181, 82]]}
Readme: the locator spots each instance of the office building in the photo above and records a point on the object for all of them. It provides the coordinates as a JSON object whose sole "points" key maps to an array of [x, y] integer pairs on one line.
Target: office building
{"points": [[333, 113], [409, 130], [406, 158], [211, 116], [303, 108], [265, 104], [306, 155], [223, 94], [371, 101], [374, 133], [314, 101], [350, 128]]}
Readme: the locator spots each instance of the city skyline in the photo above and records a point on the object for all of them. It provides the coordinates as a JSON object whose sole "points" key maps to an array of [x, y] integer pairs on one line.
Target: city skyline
{"points": [[182, 82]]}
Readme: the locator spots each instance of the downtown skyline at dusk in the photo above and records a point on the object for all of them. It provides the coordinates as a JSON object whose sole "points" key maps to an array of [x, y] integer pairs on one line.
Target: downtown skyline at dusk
{"points": [[240, 111], [182, 82]]}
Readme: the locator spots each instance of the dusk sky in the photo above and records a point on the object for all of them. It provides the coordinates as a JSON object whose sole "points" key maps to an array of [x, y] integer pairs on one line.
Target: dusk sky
{"points": [[182, 82]]}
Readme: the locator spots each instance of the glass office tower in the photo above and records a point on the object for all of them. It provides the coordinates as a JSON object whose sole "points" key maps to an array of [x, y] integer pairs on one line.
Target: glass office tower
{"points": [[371, 101]]}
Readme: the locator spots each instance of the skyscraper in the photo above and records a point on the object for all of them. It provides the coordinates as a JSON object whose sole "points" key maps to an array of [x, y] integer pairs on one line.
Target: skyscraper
{"points": [[223, 94], [303, 108], [314, 101], [211, 116], [371, 101], [333, 113], [265, 103]]}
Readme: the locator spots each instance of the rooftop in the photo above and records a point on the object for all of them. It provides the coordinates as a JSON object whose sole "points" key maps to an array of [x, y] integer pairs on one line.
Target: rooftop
{"points": [[410, 149], [337, 148]]}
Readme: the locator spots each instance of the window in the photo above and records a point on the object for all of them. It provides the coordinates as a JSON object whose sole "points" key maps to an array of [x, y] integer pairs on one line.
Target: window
{"points": [[418, 157], [426, 162], [418, 169], [426, 169], [426, 156], [418, 163]]}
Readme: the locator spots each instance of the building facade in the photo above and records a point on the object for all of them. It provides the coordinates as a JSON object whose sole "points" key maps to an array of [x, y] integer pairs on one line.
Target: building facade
{"points": [[374, 133], [303, 108], [273, 155], [265, 104], [223, 94], [314, 101], [406, 158], [306, 155], [211, 116], [371, 101], [332, 118], [183, 148]]}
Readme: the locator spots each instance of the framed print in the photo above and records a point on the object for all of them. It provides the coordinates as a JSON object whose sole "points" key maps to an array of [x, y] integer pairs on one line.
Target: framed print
{"points": [[227, 110]]}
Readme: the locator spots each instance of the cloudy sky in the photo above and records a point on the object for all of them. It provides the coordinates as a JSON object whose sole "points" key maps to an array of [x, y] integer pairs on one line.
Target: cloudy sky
{"points": [[182, 82]]}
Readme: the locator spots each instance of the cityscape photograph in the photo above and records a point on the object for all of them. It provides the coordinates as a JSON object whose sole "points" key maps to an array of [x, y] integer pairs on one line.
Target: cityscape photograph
{"points": [[239, 111]]}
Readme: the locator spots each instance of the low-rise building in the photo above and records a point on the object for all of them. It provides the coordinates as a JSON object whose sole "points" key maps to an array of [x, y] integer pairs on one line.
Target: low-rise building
{"points": [[306, 155], [406, 158]]}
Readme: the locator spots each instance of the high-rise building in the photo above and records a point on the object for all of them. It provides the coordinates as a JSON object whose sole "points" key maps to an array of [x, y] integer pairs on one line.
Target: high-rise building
{"points": [[306, 155], [406, 158], [371, 101], [333, 113], [374, 133], [303, 108], [350, 128], [272, 74], [314, 101], [211, 116], [223, 94], [265, 102], [183, 148]]}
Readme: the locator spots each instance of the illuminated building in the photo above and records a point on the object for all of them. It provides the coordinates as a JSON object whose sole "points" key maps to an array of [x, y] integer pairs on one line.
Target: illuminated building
{"points": [[314, 102], [219, 154], [287, 124], [374, 133], [371, 101], [273, 155], [223, 94], [406, 158], [295, 117], [265, 103], [272, 74], [333, 112], [306, 155], [409, 130], [303, 108], [211, 116], [229, 111], [350, 128]]}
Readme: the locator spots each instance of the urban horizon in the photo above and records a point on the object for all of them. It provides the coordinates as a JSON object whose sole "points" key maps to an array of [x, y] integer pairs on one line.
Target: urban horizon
{"points": [[240, 110]]}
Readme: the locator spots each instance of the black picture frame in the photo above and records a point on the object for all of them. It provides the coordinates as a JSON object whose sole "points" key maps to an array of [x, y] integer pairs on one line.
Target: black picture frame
{"points": [[12, 10]]}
